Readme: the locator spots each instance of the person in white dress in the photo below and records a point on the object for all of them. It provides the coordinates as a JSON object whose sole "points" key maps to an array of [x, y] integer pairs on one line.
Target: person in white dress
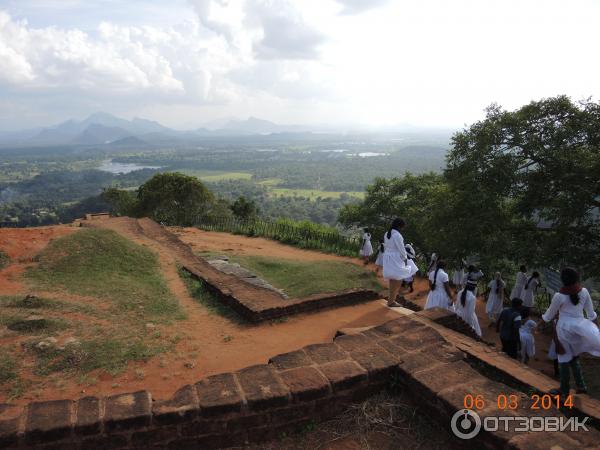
{"points": [[495, 299], [396, 264], [520, 281], [528, 293], [367, 249], [465, 307], [457, 278], [379, 260], [527, 338], [412, 255], [440, 295], [576, 333]]}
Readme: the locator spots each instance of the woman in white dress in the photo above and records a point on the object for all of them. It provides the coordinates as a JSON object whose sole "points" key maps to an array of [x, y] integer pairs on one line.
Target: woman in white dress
{"points": [[367, 249], [528, 293], [379, 260], [526, 334], [465, 307], [576, 334], [396, 264], [495, 300], [520, 281], [440, 295]]}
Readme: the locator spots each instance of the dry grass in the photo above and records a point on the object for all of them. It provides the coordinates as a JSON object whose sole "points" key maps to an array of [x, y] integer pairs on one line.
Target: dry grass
{"points": [[383, 422]]}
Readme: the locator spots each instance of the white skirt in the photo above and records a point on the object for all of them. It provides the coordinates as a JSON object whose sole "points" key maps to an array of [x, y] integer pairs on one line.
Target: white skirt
{"points": [[527, 344], [394, 267], [471, 320], [439, 299], [379, 260], [367, 249], [527, 295], [494, 304], [577, 336], [516, 291]]}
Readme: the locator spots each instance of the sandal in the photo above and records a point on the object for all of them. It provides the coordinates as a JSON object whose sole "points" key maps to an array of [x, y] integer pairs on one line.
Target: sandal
{"points": [[394, 305]]}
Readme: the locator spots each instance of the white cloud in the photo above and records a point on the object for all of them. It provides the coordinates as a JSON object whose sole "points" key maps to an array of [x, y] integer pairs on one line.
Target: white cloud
{"points": [[428, 62], [359, 6]]}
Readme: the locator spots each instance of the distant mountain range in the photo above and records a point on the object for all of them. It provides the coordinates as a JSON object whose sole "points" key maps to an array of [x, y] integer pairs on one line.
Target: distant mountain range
{"points": [[103, 129]]}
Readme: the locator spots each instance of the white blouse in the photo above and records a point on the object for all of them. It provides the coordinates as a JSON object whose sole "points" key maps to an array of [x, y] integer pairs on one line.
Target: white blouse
{"points": [[561, 303]]}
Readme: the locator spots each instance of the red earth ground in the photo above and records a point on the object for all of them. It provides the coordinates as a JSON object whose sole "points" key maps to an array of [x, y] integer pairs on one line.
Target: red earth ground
{"points": [[210, 344]]}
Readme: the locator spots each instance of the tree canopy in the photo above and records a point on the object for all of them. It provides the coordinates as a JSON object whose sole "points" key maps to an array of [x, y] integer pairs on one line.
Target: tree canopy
{"points": [[173, 198]]}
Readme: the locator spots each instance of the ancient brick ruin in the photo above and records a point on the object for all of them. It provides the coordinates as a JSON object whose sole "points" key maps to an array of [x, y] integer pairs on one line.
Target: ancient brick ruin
{"points": [[311, 384]]}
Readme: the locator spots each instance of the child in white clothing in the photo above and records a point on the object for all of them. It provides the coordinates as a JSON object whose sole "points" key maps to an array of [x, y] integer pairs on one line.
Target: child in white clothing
{"points": [[527, 339]]}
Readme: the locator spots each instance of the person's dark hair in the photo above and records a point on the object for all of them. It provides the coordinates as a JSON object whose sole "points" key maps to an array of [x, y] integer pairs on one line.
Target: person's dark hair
{"points": [[533, 275], [516, 302], [471, 268], [498, 286], [366, 230], [523, 269], [525, 313], [397, 224], [381, 246], [463, 296], [570, 277], [440, 265]]}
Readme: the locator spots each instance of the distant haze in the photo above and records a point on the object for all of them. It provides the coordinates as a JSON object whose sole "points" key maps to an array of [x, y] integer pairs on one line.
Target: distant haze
{"points": [[315, 64]]}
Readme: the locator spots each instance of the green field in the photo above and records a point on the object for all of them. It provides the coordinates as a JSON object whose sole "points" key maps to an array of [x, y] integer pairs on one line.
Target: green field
{"points": [[303, 278], [217, 175], [311, 194]]}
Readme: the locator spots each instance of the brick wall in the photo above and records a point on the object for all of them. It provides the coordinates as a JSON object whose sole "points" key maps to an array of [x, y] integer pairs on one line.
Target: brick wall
{"points": [[261, 402]]}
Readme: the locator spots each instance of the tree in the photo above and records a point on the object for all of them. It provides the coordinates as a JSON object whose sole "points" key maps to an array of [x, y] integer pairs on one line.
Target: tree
{"points": [[412, 197], [174, 198], [244, 209], [122, 202], [534, 176]]}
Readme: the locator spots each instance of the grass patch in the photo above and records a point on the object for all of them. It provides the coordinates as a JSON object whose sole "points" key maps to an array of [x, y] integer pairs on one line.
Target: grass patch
{"points": [[312, 194], [4, 260], [8, 368], [303, 278], [102, 264], [197, 289], [111, 355], [217, 175], [39, 325]]}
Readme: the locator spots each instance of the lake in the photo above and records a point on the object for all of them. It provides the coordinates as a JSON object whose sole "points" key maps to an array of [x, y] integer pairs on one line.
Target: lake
{"points": [[114, 167]]}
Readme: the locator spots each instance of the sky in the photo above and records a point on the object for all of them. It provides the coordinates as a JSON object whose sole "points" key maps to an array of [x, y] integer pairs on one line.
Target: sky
{"points": [[185, 63]]}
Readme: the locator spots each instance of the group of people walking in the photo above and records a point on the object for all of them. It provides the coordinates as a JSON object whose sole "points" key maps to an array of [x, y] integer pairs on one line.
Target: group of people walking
{"points": [[571, 310]]}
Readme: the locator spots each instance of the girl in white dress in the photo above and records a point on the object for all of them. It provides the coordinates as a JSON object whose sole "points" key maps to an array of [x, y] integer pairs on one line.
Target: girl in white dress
{"points": [[457, 278], [379, 260], [528, 293], [526, 334], [396, 264], [440, 295], [576, 334], [465, 307], [520, 281], [412, 255], [367, 249], [495, 301]]}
